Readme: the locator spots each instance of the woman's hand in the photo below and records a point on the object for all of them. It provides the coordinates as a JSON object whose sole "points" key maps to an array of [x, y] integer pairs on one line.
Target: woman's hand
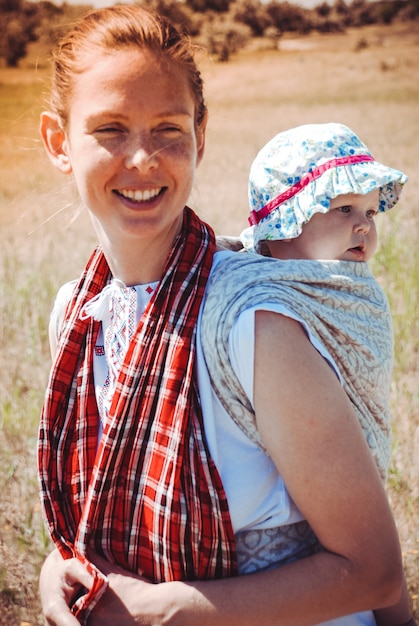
{"points": [[129, 600], [60, 582]]}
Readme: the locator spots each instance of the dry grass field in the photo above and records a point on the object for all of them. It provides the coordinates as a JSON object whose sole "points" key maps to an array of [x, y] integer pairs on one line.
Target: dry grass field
{"points": [[367, 79]]}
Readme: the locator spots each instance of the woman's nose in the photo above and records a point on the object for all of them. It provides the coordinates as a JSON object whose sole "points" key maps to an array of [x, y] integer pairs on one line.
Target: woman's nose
{"points": [[141, 155]]}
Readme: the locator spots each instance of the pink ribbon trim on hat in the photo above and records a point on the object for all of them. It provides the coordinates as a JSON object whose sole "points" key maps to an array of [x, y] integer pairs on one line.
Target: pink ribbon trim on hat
{"points": [[256, 216]]}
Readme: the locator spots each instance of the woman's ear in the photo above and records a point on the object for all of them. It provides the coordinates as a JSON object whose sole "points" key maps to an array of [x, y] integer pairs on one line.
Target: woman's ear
{"points": [[200, 139], [55, 142]]}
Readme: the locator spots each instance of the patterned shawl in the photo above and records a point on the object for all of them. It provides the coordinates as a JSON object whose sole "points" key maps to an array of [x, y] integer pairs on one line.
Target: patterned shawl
{"points": [[345, 309], [148, 497]]}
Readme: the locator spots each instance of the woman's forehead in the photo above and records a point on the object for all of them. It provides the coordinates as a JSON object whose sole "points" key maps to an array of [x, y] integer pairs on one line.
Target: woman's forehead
{"points": [[131, 73]]}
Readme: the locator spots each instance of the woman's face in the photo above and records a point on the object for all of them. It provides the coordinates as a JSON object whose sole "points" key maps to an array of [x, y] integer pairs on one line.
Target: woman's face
{"points": [[132, 144], [346, 233]]}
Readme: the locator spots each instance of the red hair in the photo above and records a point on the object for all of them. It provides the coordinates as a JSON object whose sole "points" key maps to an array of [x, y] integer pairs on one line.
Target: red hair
{"points": [[119, 27]]}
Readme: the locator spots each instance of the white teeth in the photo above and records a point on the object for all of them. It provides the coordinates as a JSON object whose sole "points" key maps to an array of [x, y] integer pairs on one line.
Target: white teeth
{"points": [[140, 196]]}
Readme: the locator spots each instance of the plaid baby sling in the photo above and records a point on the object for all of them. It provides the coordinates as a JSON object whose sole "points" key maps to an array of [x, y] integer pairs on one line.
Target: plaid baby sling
{"points": [[147, 497]]}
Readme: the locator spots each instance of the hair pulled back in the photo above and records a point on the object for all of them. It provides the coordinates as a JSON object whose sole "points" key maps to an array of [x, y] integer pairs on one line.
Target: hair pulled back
{"points": [[118, 27]]}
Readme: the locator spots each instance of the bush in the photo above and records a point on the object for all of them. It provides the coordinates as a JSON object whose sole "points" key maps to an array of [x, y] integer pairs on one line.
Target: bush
{"points": [[179, 13], [218, 6], [19, 20], [223, 37], [387, 11], [288, 17], [253, 14]]}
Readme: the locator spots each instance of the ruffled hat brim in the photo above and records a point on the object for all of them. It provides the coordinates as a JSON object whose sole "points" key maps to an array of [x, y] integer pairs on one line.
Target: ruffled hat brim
{"points": [[282, 202]]}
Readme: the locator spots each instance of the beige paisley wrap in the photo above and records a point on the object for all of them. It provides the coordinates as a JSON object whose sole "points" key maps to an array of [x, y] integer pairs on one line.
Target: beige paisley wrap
{"points": [[344, 308]]}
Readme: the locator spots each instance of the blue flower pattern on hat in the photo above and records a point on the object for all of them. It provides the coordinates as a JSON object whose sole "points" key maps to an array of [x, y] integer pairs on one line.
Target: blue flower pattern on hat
{"points": [[294, 176]]}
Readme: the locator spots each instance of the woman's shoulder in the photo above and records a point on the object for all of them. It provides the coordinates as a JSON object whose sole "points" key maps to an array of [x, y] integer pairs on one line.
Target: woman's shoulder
{"points": [[62, 299], [66, 290], [63, 296]]}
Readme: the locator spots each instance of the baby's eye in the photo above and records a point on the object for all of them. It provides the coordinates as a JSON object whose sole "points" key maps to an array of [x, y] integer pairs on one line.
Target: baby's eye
{"points": [[371, 213], [344, 209]]}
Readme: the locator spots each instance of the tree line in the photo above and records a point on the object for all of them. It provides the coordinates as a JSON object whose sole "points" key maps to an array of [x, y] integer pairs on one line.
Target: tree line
{"points": [[222, 26]]}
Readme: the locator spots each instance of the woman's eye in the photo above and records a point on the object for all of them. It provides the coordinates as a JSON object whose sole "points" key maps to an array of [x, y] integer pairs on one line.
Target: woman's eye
{"points": [[107, 129], [169, 130]]}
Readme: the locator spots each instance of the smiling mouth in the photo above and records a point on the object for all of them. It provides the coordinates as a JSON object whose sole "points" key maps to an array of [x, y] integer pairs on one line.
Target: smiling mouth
{"points": [[140, 196]]}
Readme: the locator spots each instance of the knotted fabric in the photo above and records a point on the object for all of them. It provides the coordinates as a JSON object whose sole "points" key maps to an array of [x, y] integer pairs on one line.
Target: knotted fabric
{"points": [[342, 305], [116, 304], [148, 497]]}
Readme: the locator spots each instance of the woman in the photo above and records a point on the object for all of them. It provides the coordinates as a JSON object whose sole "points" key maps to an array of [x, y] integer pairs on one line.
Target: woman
{"points": [[127, 482]]}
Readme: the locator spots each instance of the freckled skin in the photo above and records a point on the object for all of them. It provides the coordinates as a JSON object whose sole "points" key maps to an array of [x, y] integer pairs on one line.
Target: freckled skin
{"points": [[132, 129]]}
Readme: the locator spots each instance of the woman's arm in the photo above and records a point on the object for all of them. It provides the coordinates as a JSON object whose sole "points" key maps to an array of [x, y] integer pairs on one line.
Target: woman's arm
{"points": [[315, 440], [399, 613]]}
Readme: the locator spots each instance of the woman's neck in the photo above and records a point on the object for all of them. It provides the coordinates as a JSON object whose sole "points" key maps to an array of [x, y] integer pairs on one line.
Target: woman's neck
{"points": [[137, 261]]}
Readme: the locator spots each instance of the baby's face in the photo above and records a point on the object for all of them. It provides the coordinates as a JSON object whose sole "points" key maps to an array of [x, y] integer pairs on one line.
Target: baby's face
{"points": [[347, 232]]}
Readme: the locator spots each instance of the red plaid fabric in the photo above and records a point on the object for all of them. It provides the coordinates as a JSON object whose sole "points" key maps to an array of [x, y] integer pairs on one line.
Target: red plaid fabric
{"points": [[149, 498]]}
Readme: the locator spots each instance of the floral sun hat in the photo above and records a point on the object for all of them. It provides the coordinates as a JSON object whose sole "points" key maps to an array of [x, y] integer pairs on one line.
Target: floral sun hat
{"points": [[299, 171]]}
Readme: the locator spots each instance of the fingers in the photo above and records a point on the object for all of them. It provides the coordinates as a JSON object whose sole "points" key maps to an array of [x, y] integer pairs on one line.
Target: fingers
{"points": [[75, 575], [59, 615], [60, 581]]}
